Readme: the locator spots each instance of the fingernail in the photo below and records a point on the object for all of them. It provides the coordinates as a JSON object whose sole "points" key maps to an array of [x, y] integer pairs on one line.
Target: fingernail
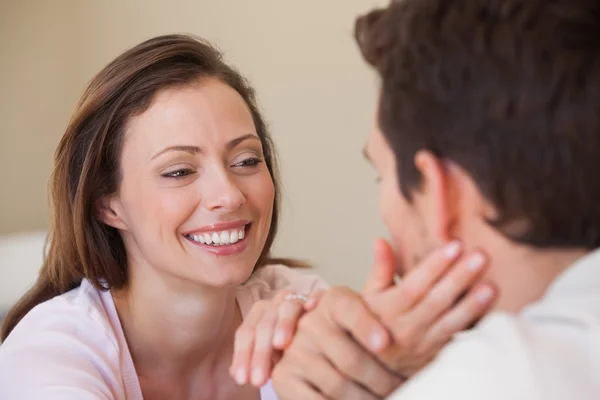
{"points": [[257, 376], [476, 262], [279, 338], [377, 341], [310, 303], [485, 294], [452, 249], [240, 376]]}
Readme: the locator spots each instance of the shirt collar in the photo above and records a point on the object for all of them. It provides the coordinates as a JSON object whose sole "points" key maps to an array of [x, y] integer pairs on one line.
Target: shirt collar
{"points": [[581, 278]]}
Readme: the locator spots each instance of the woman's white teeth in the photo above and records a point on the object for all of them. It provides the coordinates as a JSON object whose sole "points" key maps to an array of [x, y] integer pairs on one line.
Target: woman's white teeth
{"points": [[224, 238], [220, 238]]}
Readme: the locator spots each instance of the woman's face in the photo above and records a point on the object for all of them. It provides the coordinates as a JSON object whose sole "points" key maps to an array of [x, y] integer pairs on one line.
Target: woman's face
{"points": [[196, 198]]}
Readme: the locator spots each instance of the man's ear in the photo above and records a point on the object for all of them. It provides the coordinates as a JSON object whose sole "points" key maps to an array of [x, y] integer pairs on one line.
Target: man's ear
{"points": [[435, 199], [110, 211]]}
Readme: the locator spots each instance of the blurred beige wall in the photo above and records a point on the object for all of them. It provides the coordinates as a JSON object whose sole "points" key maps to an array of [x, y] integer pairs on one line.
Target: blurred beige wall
{"points": [[38, 59], [314, 89]]}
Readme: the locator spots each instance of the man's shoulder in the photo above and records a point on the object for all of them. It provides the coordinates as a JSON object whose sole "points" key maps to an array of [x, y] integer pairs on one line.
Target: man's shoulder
{"points": [[509, 356], [478, 364]]}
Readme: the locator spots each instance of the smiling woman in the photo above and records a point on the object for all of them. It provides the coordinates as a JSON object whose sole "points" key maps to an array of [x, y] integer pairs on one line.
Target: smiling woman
{"points": [[165, 205], [207, 176]]}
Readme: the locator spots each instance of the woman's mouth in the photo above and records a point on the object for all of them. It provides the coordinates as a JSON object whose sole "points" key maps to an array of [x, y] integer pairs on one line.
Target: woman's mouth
{"points": [[220, 238]]}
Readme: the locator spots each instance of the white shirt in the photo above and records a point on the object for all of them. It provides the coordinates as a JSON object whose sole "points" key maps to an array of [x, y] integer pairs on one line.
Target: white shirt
{"points": [[72, 347], [550, 351]]}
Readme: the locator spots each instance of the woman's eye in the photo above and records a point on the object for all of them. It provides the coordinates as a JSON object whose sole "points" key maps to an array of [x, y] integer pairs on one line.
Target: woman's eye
{"points": [[180, 173], [249, 162]]}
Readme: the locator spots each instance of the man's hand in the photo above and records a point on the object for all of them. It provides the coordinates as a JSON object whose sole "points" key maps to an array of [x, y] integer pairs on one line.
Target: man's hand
{"points": [[265, 332], [325, 362], [340, 347]]}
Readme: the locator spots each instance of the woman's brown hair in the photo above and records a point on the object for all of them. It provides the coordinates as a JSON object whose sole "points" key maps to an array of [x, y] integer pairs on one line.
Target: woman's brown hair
{"points": [[86, 164]]}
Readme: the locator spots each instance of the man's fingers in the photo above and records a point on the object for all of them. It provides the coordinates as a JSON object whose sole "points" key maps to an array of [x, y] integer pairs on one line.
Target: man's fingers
{"points": [[327, 354], [333, 384], [348, 357], [321, 374], [359, 366], [297, 390], [383, 269], [290, 386]]}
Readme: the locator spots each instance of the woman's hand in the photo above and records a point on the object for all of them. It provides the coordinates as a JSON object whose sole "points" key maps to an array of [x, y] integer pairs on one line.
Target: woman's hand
{"points": [[267, 330], [440, 297]]}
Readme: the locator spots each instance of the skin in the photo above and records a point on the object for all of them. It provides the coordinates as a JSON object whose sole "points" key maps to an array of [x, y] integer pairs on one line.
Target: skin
{"points": [[191, 160], [449, 205], [446, 206], [439, 298]]}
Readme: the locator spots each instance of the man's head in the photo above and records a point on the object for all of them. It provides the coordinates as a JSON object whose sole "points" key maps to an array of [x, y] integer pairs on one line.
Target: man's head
{"points": [[488, 124]]}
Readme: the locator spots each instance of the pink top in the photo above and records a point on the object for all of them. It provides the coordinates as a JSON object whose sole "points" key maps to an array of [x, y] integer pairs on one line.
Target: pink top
{"points": [[72, 347]]}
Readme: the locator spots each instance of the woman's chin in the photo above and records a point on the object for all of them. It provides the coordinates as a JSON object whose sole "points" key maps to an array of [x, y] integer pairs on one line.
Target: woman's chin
{"points": [[225, 275]]}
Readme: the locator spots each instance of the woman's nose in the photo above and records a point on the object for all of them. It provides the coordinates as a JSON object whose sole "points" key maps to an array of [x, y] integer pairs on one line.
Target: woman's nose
{"points": [[220, 191]]}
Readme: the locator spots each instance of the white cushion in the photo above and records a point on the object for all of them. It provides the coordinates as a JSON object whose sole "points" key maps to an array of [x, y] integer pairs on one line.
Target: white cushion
{"points": [[21, 257]]}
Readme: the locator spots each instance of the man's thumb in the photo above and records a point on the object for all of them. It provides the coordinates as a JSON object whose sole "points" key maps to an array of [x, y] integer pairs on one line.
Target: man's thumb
{"points": [[383, 269]]}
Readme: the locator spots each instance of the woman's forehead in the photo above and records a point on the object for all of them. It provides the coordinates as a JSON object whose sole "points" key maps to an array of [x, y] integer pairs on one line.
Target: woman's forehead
{"points": [[207, 114]]}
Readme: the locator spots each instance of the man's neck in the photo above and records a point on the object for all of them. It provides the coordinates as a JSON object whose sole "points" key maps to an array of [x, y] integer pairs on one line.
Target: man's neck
{"points": [[524, 273]]}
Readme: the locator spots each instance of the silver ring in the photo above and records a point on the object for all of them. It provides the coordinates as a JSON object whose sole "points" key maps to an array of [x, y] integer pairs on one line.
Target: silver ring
{"points": [[296, 296]]}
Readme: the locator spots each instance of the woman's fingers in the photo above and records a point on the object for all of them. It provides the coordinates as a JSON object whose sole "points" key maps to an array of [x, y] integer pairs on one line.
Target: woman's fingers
{"points": [[418, 282], [384, 269], [274, 332], [262, 353], [447, 291], [462, 316], [438, 298], [244, 343], [289, 313], [313, 299]]}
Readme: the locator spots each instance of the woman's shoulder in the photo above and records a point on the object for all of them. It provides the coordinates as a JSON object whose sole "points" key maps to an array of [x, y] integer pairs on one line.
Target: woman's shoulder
{"points": [[266, 281], [65, 342], [73, 313]]}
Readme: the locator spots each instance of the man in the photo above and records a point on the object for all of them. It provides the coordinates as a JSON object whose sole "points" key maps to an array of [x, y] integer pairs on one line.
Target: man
{"points": [[488, 132]]}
